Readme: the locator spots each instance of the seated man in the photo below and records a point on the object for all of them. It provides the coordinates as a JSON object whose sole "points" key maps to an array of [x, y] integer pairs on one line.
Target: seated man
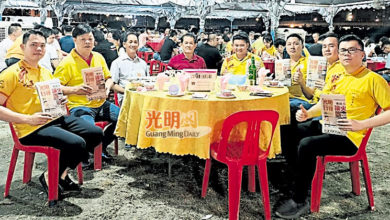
{"points": [[128, 66], [69, 73], [72, 136], [188, 59], [299, 92], [364, 91], [237, 64]]}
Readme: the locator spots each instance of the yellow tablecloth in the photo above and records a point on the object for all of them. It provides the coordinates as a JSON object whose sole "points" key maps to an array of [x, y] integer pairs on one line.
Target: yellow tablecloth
{"points": [[182, 125]]}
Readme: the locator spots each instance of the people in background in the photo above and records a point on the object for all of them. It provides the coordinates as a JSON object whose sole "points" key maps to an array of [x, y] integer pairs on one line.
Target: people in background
{"points": [[105, 48], [169, 47], [188, 59], [14, 31], [66, 42], [210, 53]]}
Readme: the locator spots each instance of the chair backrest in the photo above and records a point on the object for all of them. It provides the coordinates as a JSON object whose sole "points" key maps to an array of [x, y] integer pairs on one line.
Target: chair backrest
{"points": [[14, 136], [163, 66], [249, 151], [148, 56], [116, 100], [362, 148], [155, 67]]}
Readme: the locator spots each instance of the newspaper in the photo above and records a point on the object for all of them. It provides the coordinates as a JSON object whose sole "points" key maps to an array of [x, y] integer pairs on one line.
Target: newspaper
{"points": [[283, 71], [333, 108], [316, 72], [94, 78], [51, 96]]}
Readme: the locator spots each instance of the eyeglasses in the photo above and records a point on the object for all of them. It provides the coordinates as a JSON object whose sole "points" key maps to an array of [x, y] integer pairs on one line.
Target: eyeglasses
{"points": [[351, 50]]}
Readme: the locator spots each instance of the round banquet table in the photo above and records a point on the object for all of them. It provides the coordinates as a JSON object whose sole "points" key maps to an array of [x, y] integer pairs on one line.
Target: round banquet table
{"points": [[186, 126]]}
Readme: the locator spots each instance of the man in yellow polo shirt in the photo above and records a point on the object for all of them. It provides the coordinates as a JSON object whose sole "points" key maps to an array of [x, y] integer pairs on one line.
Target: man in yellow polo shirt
{"points": [[364, 91], [69, 73], [238, 63], [14, 53], [71, 135]]}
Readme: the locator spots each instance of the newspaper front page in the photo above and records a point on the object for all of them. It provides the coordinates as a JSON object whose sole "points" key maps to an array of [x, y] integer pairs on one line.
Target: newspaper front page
{"points": [[283, 71], [316, 72], [333, 108], [94, 78], [51, 96]]}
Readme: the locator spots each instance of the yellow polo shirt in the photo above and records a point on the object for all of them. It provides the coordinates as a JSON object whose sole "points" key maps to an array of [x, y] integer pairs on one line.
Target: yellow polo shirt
{"points": [[17, 84], [239, 67], [15, 50], [69, 73], [335, 68], [271, 51], [295, 89], [257, 45], [364, 90]]}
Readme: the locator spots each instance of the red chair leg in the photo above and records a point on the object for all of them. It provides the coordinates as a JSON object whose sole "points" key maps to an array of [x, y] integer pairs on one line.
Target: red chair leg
{"points": [[235, 178], [28, 165], [80, 173], [53, 166], [355, 177], [317, 185], [367, 180], [97, 155], [116, 146], [206, 176], [251, 178], [12, 164], [263, 178]]}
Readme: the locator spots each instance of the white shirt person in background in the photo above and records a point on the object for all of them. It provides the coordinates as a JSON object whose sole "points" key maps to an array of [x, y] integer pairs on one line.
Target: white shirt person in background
{"points": [[128, 66], [14, 31]]}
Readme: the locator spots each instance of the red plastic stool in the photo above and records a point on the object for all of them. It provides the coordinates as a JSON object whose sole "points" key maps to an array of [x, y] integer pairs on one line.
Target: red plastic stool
{"points": [[102, 125], [155, 67], [53, 156]]}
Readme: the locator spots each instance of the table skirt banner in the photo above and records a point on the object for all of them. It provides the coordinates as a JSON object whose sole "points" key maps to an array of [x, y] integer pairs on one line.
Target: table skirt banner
{"points": [[182, 125]]}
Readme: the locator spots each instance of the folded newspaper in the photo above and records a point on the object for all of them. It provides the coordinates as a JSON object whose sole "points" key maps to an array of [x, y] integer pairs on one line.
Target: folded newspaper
{"points": [[51, 97], [283, 71], [333, 108], [316, 72], [94, 78]]}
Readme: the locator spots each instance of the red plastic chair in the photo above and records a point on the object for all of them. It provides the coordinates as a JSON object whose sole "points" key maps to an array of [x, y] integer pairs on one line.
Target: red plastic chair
{"points": [[116, 100], [148, 56], [53, 156], [98, 160], [239, 154], [155, 67], [316, 185], [163, 66], [140, 54]]}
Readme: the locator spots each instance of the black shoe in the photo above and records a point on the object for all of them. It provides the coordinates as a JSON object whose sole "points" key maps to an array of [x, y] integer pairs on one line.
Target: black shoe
{"points": [[68, 185], [42, 180], [106, 157], [292, 210]]}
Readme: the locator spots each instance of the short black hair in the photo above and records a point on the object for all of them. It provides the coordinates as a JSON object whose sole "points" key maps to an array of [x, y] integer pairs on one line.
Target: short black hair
{"points": [[386, 42], [68, 28], [116, 34], [27, 35], [98, 35], [225, 38], [279, 41], [189, 35], [351, 37], [309, 39], [13, 27], [295, 35], [241, 36], [127, 34], [173, 33], [81, 29], [268, 38], [46, 31], [56, 30], [329, 34]]}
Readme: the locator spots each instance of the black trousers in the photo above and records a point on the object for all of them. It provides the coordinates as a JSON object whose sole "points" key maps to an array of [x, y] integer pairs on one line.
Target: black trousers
{"points": [[304, 146], [73, 136]]}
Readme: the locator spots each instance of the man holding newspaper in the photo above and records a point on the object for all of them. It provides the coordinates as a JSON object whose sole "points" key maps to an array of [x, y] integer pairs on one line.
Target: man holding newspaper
{"points": [[73, 136], [86, 78], [362, 91]]}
